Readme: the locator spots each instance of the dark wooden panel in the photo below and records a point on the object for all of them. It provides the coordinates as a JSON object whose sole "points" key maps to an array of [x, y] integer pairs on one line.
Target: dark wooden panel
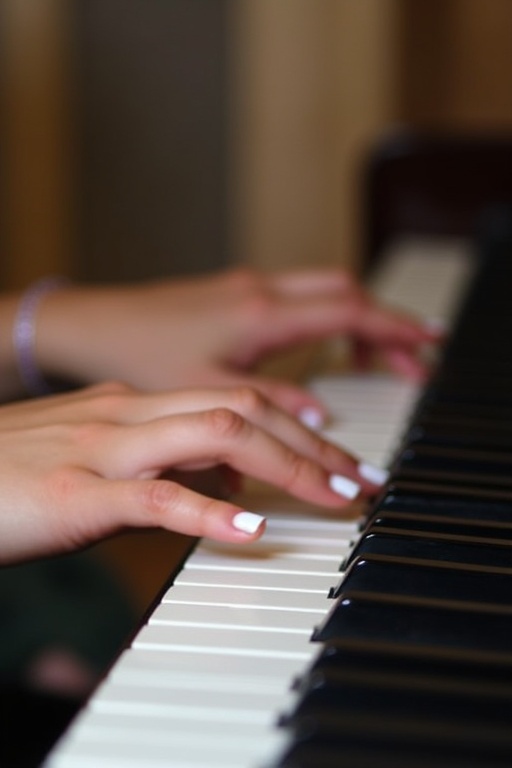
{"points": [[151, 102]]}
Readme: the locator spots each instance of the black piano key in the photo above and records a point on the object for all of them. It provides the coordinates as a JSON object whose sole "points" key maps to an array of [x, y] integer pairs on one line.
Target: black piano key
{"points": [[490, 414], [422, 622], [450, 420], [465, 368], [416, 666], [399, 658], [437, 580], [467, 378], [417, 545], [412, 709], [346, 750], [397, 522], [427, 432], [448, 477], [366, 691], [459, 501], [489, 396], [461, 461]]}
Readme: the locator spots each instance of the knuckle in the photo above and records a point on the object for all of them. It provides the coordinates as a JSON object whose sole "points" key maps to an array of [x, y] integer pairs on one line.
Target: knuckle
{"points": [[112, 399], [257, 294], [225, 424], [249, 401], [296, 467], [159, 497], [259, 306], [61, 485], [89, 434]]}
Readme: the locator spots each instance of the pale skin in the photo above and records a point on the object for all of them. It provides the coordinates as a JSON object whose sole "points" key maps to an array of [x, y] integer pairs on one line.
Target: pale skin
{"points": [[79, 466]]}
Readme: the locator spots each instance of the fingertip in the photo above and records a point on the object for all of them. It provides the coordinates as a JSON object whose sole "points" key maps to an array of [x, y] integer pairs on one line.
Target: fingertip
{"points": [[295, 400]]}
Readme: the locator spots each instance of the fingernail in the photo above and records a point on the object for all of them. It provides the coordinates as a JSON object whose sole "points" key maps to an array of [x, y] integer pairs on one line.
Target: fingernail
{"points": [[344, 487], [248, 522], [311, 417], [373, 474]]}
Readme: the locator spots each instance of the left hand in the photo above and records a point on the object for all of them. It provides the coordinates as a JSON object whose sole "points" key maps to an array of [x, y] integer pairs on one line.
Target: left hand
{"points": [[213, 330]]}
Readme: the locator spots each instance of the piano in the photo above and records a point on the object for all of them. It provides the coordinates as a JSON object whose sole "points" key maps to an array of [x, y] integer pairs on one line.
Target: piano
{"points": [[382, 639]]}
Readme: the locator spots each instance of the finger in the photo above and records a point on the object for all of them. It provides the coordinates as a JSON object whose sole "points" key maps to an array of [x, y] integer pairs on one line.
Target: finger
{"points": [[293, 399], [313, 318], [109, 505], [406, 363], [308, 282], [221, 436], [381, 325], [256, 398]]}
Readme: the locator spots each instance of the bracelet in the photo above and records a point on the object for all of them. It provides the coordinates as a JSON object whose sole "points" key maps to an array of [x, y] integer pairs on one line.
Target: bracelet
{"points": [[24, 335]]}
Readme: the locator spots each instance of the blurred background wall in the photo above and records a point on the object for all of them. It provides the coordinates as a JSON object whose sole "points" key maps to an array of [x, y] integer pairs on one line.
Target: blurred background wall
{"points": [[143, 137]]}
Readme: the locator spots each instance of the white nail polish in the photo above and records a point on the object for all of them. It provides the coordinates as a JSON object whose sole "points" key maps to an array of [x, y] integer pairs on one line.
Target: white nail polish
{"points": [[344, 487], [373, 474], [311, 418], [248, 522]]}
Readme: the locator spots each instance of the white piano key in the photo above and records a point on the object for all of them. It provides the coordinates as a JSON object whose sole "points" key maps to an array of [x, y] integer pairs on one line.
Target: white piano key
{"points": [[108, 725], [128, 755], [282, 600], [243, 641], [154, 667], [244, 739], [239, 706], [314, 565], [268, 579], [234, 616], [320, 527], [337, 530], [106, 728], [284, 544]]}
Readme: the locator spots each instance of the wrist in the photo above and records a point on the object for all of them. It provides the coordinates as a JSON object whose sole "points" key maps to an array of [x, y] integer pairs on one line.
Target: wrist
{"points": [[24, 334]]}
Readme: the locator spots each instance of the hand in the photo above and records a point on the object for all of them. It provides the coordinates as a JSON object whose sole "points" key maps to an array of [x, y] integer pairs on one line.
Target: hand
{"points": [[80, 466], [212, 331]]}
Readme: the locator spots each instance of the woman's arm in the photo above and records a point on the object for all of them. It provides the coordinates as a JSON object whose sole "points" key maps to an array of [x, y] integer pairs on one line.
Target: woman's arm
{"points": [[214, 330]]}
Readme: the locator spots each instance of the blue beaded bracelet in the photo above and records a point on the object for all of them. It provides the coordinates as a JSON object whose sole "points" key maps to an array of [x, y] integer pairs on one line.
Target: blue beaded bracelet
{"points": [[24, 335]]}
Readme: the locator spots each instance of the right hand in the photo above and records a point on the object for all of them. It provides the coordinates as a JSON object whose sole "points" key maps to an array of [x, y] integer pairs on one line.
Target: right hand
{"points": [[78, 467]]}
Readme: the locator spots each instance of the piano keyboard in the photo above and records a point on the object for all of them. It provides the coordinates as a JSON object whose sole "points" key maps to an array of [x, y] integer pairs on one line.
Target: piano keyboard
{"points": [[209, 675]]}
